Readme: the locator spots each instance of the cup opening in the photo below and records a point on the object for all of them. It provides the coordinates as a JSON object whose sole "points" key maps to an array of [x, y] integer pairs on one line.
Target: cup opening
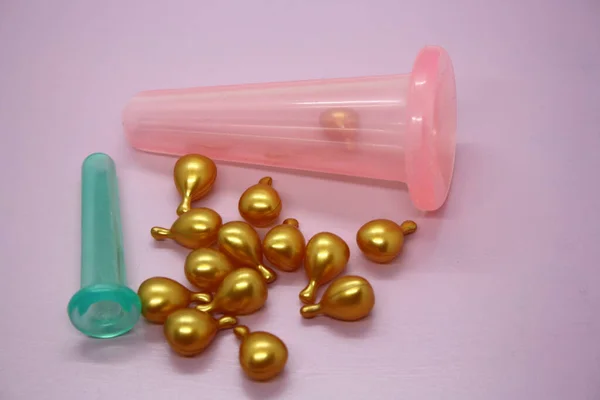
{"points": [[104, 310]]}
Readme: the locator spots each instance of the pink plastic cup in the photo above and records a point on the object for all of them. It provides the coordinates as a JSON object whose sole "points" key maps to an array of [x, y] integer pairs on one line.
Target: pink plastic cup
{"points": [[395, 127]]}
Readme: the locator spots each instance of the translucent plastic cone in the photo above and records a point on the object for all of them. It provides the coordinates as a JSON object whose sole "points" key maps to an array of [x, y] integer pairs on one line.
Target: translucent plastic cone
{"points": [[104, 307], [395, 127]]}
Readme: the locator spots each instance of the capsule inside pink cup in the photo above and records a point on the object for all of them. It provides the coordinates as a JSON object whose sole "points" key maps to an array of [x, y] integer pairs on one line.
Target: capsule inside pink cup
{"points": [[394, 127]]}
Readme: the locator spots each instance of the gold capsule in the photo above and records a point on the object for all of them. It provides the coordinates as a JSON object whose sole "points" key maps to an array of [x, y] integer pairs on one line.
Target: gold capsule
{"points": [[340, 124], [206, 268], [348, 298], [260, 204], [381, 240], [196, 228], [241, 243], [189, 332], [284, 246], [262, 355], [162, 296], [242, 292], [326, 257], [194, 176]]}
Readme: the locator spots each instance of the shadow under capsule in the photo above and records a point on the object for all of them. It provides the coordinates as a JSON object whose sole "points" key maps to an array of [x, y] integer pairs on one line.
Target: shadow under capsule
{"points": [[196, 364], [272, 389], [346, 329]]}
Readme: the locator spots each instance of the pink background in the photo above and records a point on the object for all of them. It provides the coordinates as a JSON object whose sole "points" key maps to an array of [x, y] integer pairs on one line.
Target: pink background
{"points": [[497, 295]]}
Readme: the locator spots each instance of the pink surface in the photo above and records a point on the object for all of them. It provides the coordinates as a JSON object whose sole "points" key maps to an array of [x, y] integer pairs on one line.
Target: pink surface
{"points": [[497, 295]]}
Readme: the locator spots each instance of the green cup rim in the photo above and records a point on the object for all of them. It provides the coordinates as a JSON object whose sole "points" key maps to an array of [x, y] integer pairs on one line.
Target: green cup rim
{"points": [[89, 295]]}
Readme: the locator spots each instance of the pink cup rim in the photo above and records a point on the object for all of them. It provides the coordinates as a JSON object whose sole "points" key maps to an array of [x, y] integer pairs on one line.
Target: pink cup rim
{"points": [[431, 129]]}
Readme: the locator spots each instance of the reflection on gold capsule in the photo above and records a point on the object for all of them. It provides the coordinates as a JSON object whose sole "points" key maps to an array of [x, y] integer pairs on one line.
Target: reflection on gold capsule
{"points": [[196, 228], [162, 296], [340, 124], [381, 240], [326, 257], [348, 298], [262, 355], [284, 246], [194, 176]]}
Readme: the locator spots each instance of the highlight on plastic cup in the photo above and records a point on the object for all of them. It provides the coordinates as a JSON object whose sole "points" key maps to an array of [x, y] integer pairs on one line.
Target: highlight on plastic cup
{"points": [[395, 127], [104, 307]]}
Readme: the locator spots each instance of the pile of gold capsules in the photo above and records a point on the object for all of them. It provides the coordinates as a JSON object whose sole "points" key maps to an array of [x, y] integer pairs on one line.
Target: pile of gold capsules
{"points": [[232, 280]]}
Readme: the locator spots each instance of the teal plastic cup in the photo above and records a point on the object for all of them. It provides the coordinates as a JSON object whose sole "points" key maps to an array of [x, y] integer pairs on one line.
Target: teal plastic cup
{"points": [[104, 307]]}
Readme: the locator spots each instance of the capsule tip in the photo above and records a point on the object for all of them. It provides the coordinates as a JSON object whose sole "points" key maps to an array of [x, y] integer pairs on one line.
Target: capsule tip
{"points": [[267, 180], [241, 331], [408, 227], [310, 311], [307, 295], [291, 221], [159, 233]]}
